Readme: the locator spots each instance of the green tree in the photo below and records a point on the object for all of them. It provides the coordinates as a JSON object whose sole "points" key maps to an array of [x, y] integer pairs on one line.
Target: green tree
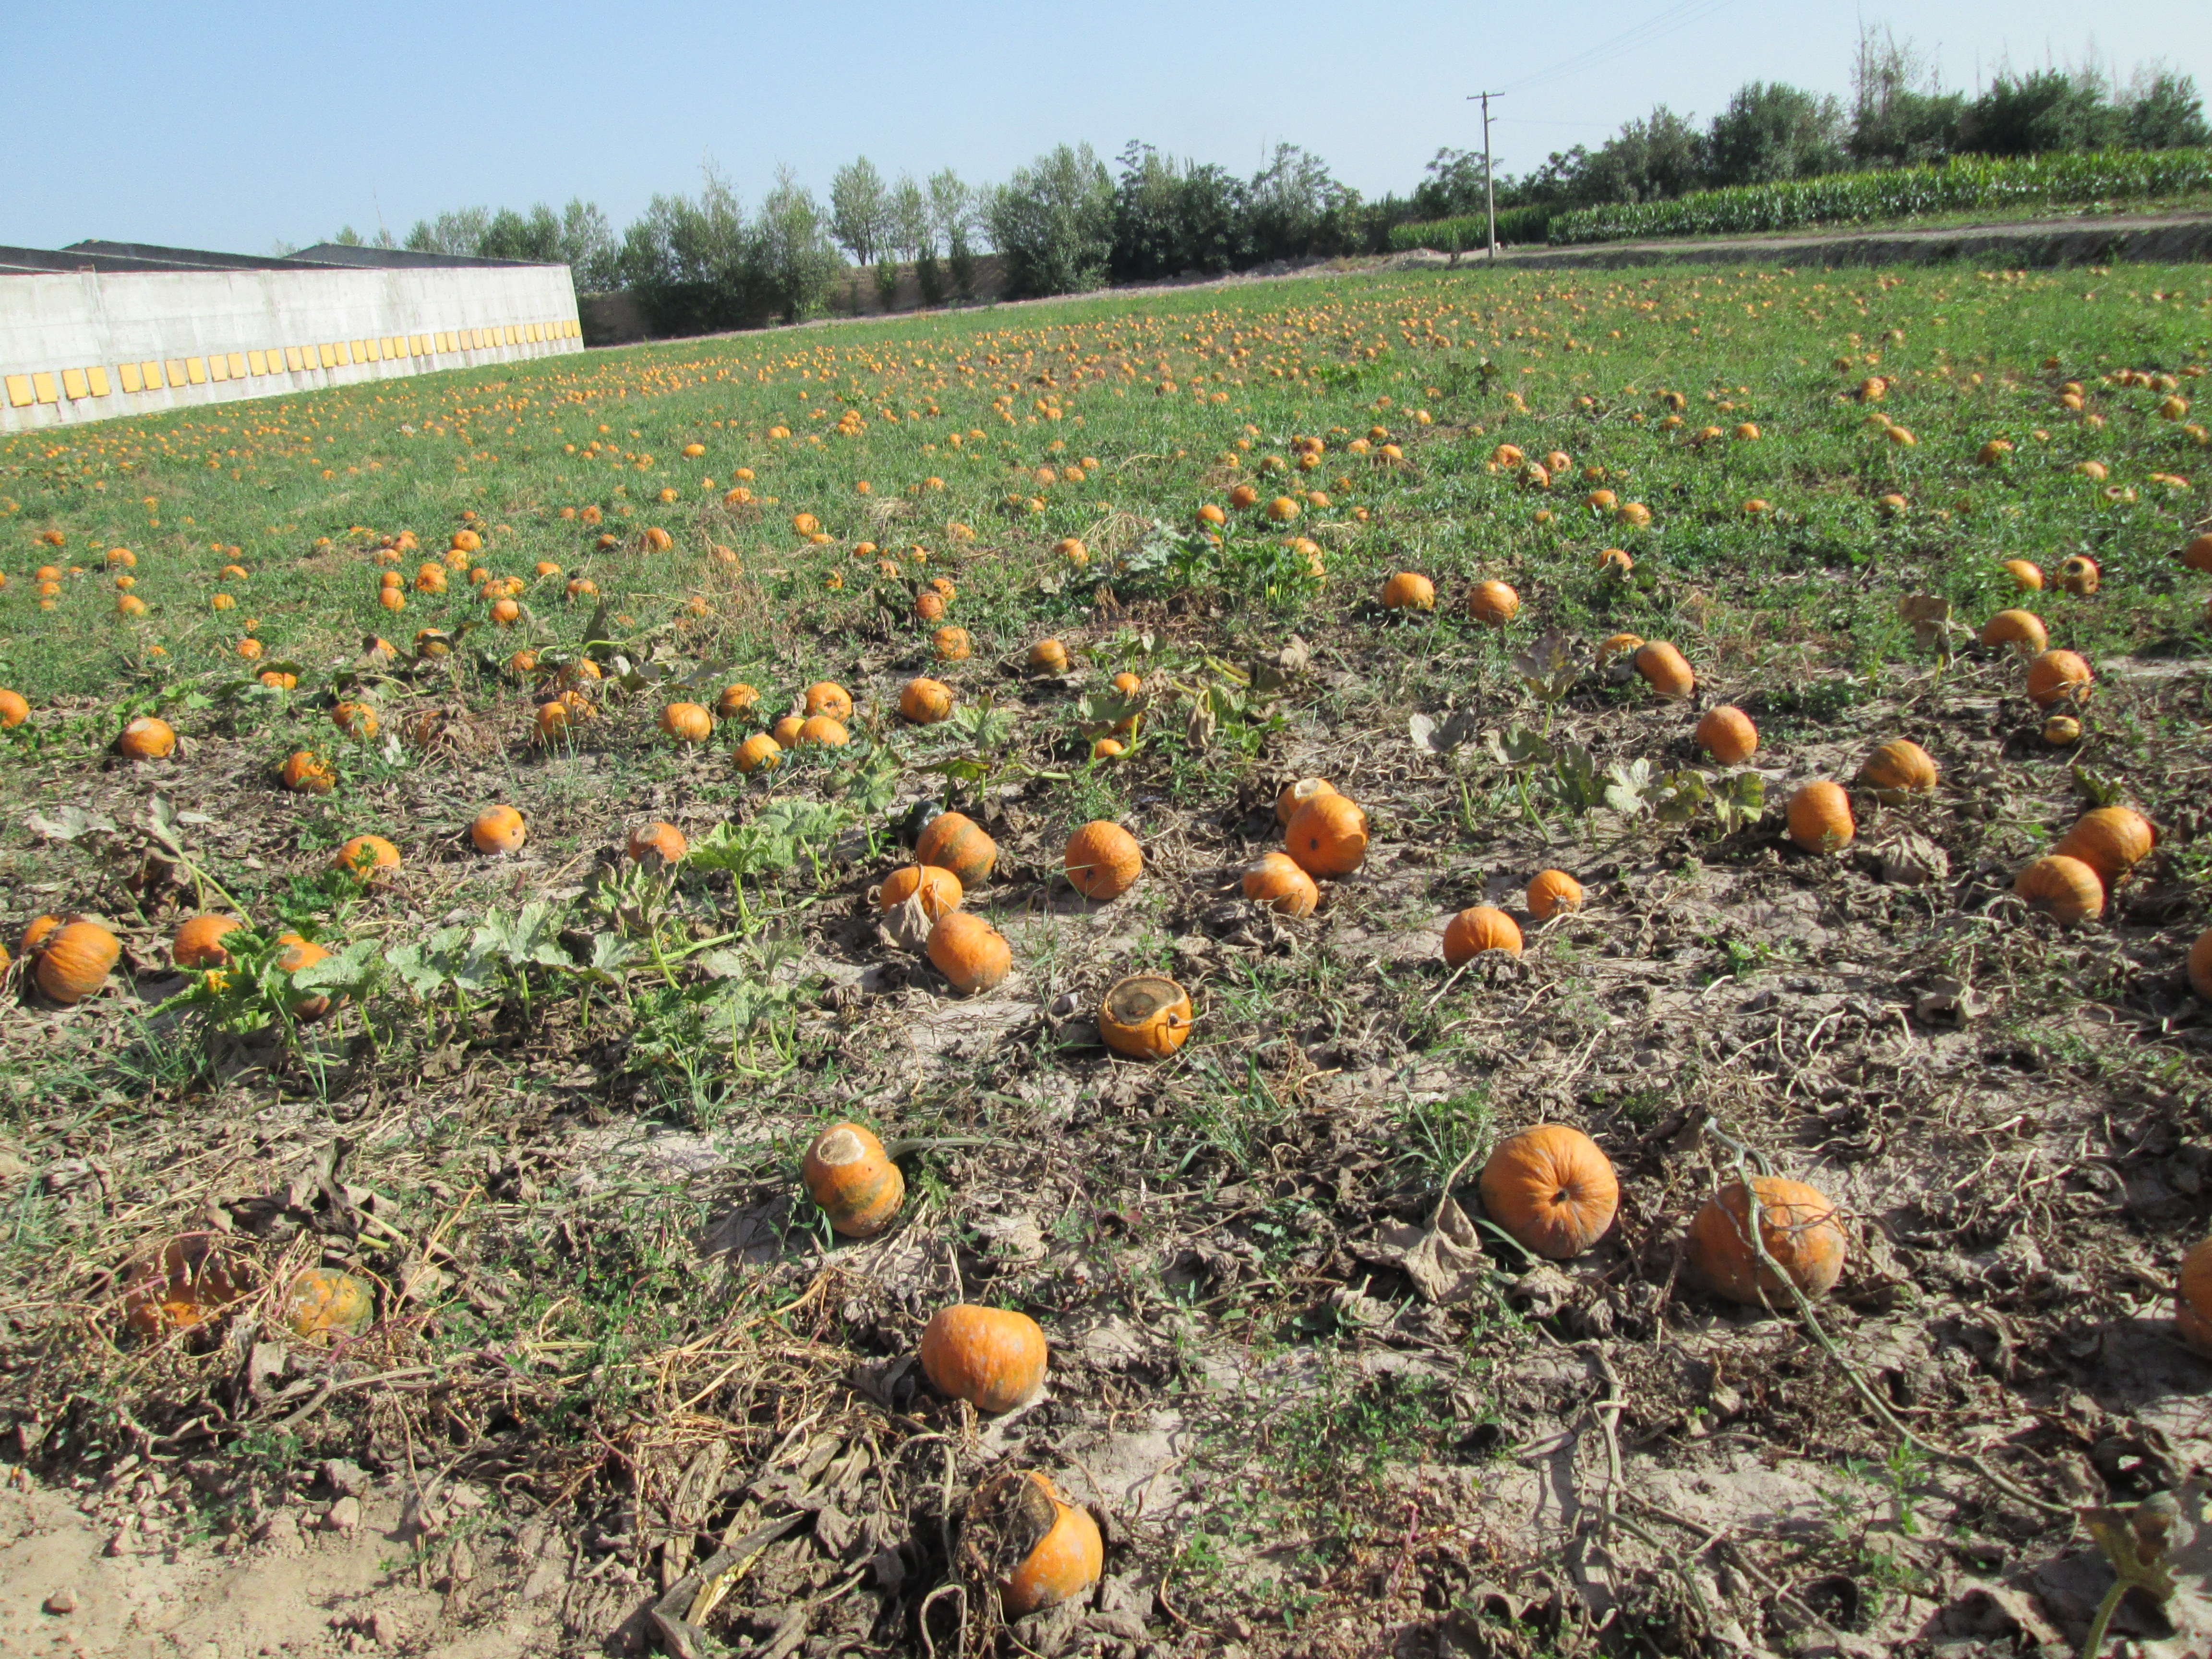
{"points": [[2042, 111], [859, 210], [1773, 130], [1054, 223], [793, 253], [952, 216], [2165, 112], [1900, 114]]}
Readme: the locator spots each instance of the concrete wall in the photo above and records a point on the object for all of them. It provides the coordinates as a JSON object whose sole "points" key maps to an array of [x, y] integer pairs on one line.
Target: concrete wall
{"points": [[87, 346]]}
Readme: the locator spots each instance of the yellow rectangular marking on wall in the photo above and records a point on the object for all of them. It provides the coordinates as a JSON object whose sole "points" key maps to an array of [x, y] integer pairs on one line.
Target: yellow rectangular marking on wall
{"points": [[131, 380], [367, 351], [506, 336], [18, 390], [444, 341], [44, 389], [418, 345], [484, 340], [218, 367], [295, 358], [237, 365], [98, 376], [328, 355], [349, 352], [196, 370], [153, 373], [257, 362], [73, 386], [175, 368]]}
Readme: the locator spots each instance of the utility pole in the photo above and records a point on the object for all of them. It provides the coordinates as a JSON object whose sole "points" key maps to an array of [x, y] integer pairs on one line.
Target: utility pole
{"points": [[1489, 192]]}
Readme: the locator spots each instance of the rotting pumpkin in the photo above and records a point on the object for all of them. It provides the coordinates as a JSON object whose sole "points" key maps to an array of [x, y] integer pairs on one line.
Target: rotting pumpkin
{"points": [[849, 1174], [1145, 1016]]}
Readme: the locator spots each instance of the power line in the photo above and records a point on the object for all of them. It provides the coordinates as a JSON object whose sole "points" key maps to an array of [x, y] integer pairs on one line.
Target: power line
{"points": [[1680, 16]]}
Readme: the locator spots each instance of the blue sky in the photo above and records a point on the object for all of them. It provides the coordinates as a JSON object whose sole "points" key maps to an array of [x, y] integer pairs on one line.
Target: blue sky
{"points": [[235, 125]]}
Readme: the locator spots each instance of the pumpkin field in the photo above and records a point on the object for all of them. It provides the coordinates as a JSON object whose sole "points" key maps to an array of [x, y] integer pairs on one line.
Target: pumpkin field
{"points": [[1394, 963]]}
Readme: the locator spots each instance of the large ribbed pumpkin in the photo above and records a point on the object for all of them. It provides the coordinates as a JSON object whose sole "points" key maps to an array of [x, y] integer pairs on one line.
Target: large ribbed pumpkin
{"points": [[1327, 835], [2110, 839], [75, 960], [971, 954], [1820, 817], [1552, 1188], [1102, 861]]}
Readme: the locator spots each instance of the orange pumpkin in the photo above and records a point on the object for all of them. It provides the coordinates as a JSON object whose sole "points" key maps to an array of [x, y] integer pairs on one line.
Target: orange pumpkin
{"points": [[1551, 891], [1145, 1016], [1725, 732], [197, 942], [939, 889], [1665, 671], [146, 738], [498, 829], [356, 719], [366, 857], [1047, 657], [1294, 795], [828, 697], [1479, 928], [306, 773], [1275, 880], [2063, 888], [820, 731], [1102, 861], [2027, 577], [786, 730], [951, 644], [1408, 590], [929, 606], [1068, 1554], [971, 954], [299, 953], [758, 752], [1327, 835], [2079, 575], [1552, 1188], [735, 700], [1898, 768], [2111, 840], [13, 710], [1797, 1224], [664, 841], [954, 842], [2192, 1298], [848, 1174], [1493, 604], [926, 702], [2023, 630], [992, 1357], [322, 1303], [1820, 817], [687, 722], [75, 959], [37, 932], [2056, 675]]}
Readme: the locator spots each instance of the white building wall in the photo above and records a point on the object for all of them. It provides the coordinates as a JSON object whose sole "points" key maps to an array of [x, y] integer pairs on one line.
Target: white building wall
{"points": [[90, 345]]}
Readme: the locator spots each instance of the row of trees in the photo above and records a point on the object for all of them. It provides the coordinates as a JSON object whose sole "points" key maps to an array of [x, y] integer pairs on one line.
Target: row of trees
{"points": [[1900, 114], [1068, 223]]}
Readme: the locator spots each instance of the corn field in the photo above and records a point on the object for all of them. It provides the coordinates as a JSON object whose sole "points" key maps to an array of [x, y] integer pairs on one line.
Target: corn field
{"points": [[1964, 184]]}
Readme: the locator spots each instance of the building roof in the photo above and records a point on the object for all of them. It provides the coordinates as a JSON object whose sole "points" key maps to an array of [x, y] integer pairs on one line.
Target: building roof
{"points": [[104, 256]]}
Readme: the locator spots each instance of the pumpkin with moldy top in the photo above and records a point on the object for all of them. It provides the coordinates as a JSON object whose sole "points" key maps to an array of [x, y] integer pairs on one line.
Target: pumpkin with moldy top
{"points": [[146, 738], [849, 1174], [1295, 794], [992, 1358], [498, 829], [664, 841], [1055, 1546], [1552, 1188], [1145, 1016]]}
